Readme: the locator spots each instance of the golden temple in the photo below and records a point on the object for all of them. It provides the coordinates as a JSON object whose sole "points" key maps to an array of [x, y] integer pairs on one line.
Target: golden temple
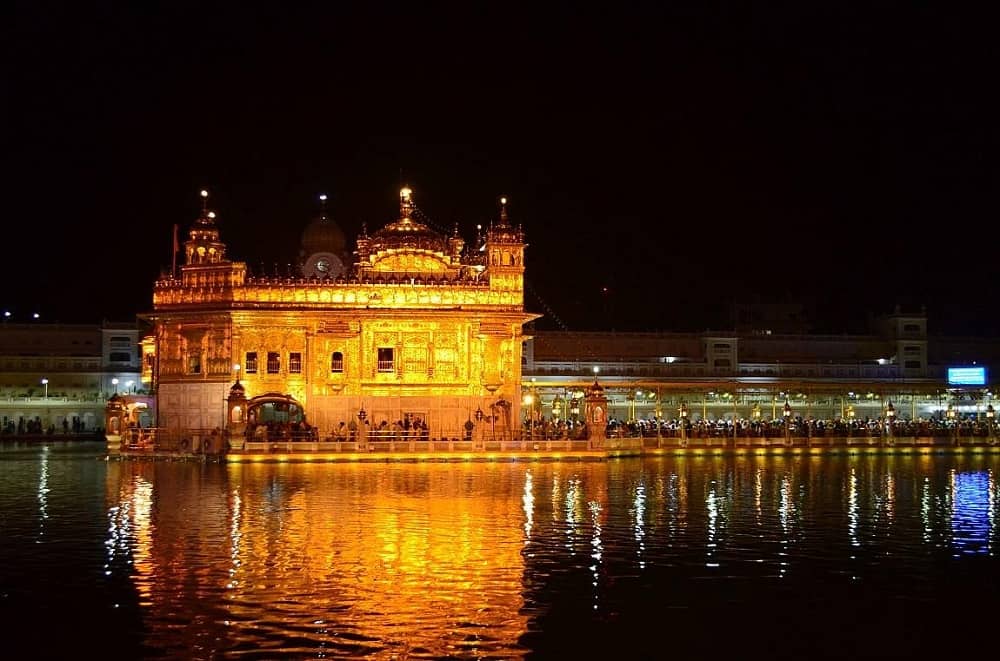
{"points": [[415, 328]]}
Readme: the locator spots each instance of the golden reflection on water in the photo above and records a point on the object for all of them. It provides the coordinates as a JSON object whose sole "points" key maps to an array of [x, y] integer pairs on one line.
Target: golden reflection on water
{"points": [[363, 558]]}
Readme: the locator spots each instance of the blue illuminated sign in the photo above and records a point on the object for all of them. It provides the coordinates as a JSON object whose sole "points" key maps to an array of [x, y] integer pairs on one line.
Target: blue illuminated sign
{"points": [[967, 376]]}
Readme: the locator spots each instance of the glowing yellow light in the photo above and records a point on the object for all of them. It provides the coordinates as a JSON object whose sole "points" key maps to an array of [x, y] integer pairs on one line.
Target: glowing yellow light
{"points": [[405, 193], [211, 214], [204, 193], [503, 200]]}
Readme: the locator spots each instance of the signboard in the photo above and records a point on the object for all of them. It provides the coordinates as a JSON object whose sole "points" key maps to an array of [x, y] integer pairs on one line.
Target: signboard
{"points": [[967, 376]]}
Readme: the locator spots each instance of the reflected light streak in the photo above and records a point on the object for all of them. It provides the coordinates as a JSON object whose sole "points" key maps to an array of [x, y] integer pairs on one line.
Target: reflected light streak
{"points": [[852, 508], [528, 504], [118, 530], [785, 509], [712, 505], [141, 507], [597, 548], [639, 523], [235, 537], [970, 520], [758, 490], [673, 506], [890, 496], [992, 511], [43, 494], [572, 511], [925, 510]]}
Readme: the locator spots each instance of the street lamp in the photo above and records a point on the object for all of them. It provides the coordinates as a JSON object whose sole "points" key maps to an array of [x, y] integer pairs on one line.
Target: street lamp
{"points": [[989, 421], [951, 414], [658, 414], [682, 412], [45, 382], [529, 402], [786, 412], [890, 415], [850, 419], [114, 385], [128, 385]]}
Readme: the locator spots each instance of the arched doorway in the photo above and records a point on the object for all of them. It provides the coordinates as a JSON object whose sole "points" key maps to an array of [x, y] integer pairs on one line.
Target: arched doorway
{"points": [[273, 416]]}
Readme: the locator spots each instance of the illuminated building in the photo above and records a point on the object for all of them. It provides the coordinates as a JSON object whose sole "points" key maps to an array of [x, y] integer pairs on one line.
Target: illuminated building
{"points": [[413, 326], [65, 372], [749, 371]]}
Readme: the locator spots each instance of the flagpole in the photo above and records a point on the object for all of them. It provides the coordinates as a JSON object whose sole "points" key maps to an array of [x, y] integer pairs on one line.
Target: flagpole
{"points": [[173, 269]]}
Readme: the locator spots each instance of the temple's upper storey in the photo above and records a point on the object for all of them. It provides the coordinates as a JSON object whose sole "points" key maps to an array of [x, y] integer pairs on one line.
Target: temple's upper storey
{"points": [[406, 264]]}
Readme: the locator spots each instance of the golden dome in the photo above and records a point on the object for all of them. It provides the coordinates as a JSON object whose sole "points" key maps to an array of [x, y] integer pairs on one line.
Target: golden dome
{"points": [[406, 232]]}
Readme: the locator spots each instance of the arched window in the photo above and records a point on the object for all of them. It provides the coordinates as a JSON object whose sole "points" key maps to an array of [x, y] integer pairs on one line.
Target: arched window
{"points": [[337, 362]]}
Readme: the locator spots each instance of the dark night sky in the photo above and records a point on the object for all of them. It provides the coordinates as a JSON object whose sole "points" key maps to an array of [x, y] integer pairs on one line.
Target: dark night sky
{"points": [[840, 155]]}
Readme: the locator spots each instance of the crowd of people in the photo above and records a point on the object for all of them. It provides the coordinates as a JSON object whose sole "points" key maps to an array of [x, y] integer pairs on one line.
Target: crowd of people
{"points": [[800, 428]]}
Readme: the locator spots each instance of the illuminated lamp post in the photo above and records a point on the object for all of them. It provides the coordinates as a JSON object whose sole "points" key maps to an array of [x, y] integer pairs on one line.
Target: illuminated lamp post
{"points": [[951, 414], [890, 416], [128, 385], [755, 415], [990, 413], [735, 420], [114, 385], [45, 382], [786, 413], [529, 402], [682, 412], [659, 418], [630, 397], [850, 419]]}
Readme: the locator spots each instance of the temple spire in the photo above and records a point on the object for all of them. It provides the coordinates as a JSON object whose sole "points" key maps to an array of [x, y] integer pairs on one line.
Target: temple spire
{"points": [[405, 203]]}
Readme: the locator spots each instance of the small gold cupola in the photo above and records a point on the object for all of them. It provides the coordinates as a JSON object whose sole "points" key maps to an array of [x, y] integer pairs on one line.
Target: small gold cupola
{"points": [[203, 245]]}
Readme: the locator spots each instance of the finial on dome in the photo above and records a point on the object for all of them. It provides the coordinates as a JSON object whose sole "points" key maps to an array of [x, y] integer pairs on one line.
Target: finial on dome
{"points": [[405, 203], [503, 211], [322, 206]]}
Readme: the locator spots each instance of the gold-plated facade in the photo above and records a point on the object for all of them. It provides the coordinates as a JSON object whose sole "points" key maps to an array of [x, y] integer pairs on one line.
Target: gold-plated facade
{"points": [[418, 330]]}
